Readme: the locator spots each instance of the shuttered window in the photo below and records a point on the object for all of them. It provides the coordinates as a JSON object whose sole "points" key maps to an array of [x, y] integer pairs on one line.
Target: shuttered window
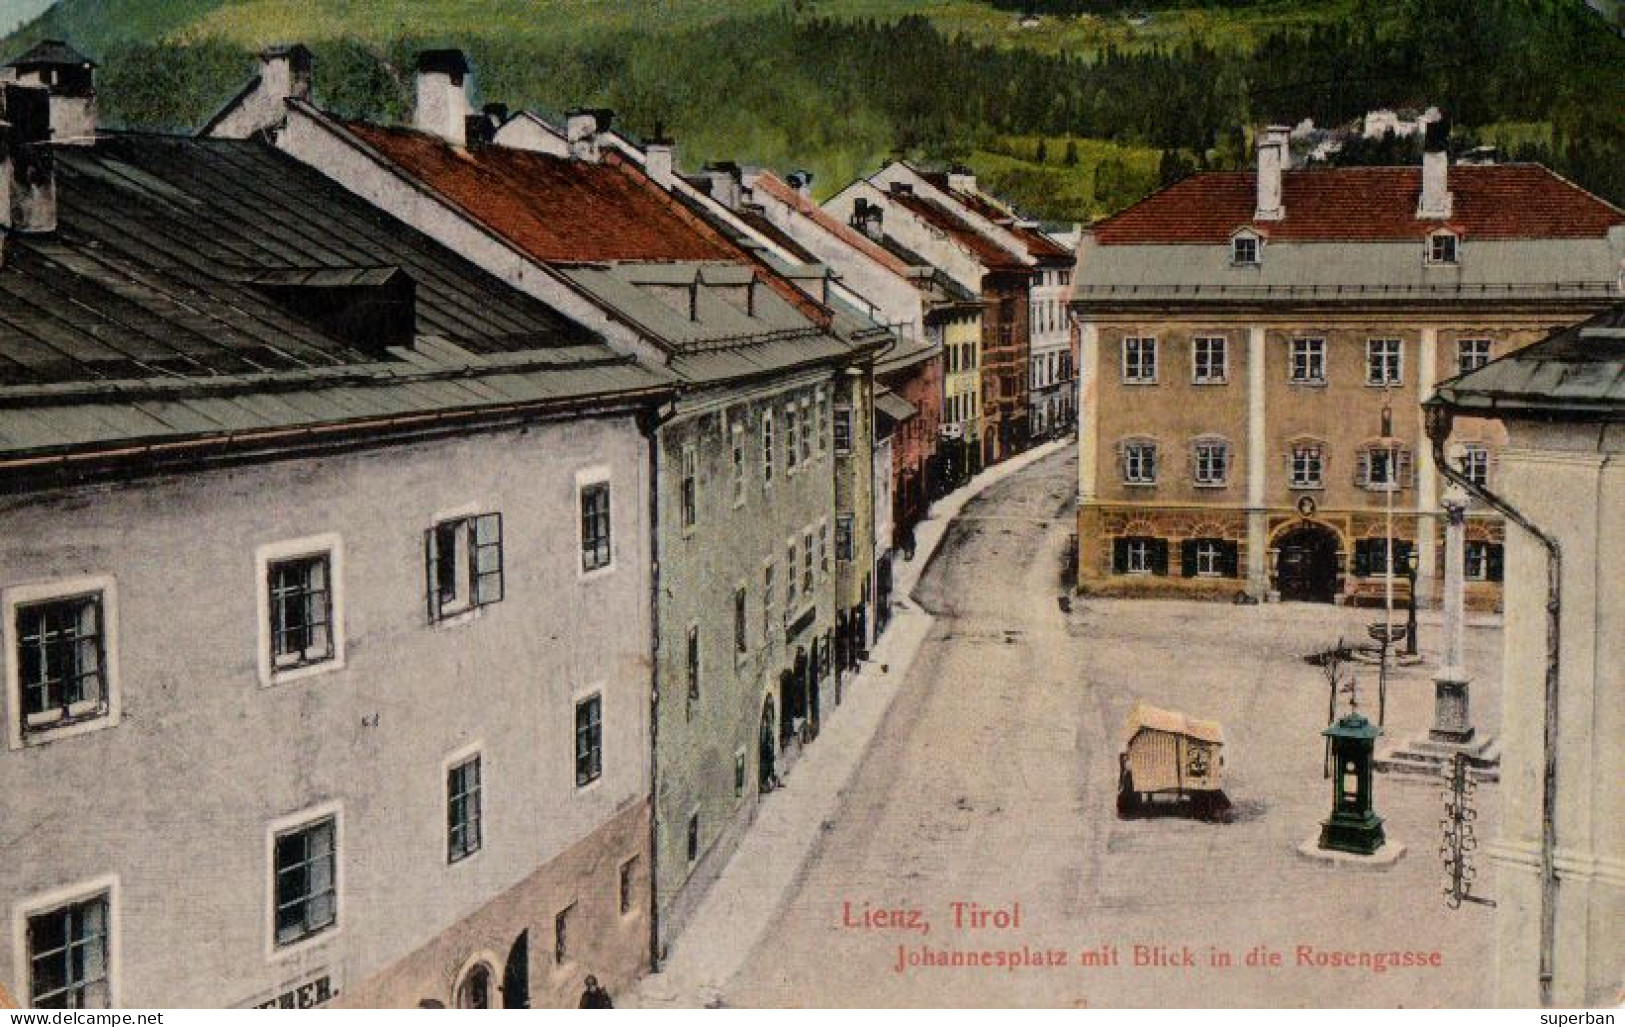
{"points": [[1208, 558], [1139, 554]]}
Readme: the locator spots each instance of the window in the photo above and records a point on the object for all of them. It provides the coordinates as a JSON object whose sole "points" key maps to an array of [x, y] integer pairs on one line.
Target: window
{"points": [[1208, 360], [1371, 557], [463, 815], [693, 837], [1484, 561], [843, 429], [60, 665], [1309, 361], [561, 935], [628, 891], [767, 447], [1212, 463], [792, 438], [464, 558], [739, 773], [68, 956], [1471, 354], [807, 565], [1244, 249], [736, 464], [1475, 464], [806, 432], [589, 740], [1383, 468], [1136, 554], [595, 526], [1308, 465], [301, 611], [1441, 248], [790, 579], [843, 538], [767, 604], [1139, 361], [306, 868], [693, 664], [1382, 361], [690, 488], [823, 548], [1208, 558], [1139, 463], [823, 416]]}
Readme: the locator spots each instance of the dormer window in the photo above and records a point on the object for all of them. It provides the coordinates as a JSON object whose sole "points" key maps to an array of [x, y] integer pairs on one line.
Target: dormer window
{"points": [[1245, 250], [1442, 248]]}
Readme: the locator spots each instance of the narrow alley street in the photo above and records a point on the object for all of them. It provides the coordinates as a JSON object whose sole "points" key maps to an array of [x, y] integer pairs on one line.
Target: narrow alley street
{"points": [[992, 782]]}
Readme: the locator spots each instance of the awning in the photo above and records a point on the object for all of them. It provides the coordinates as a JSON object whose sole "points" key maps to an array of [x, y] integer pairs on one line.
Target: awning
{"points": [[894, 406]]}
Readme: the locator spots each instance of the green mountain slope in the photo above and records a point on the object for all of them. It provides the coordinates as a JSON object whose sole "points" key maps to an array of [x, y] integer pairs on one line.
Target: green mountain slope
{"points": [[838, 85]]}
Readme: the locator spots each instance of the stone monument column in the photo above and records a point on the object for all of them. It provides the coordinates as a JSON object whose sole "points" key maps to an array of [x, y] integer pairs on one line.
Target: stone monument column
{"points": [[1451, 717]]}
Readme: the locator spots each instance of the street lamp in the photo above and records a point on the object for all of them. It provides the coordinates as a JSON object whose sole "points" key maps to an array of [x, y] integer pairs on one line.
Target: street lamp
{"points": [[1410, 611]]}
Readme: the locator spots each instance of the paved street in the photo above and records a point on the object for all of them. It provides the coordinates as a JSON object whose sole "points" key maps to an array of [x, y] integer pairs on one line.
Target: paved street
{"points": [[992, 781]]}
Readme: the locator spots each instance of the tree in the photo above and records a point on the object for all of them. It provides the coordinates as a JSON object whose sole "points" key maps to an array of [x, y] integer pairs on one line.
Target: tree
{"points": [[1071, 158], [1041, 155]]}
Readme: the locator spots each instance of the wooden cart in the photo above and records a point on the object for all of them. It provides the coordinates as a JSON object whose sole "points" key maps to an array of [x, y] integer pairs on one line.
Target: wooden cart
{"points": [[1169, 757]]}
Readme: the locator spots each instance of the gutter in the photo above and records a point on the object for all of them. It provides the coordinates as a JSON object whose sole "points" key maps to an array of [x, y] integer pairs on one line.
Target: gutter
{"points": [[650, 423], [1439, 417]]}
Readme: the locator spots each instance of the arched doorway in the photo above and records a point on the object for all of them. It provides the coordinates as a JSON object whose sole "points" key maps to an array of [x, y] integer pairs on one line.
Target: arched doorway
{"points": [[766, 750], [516, 974], [474, 991], [1306, 564]]}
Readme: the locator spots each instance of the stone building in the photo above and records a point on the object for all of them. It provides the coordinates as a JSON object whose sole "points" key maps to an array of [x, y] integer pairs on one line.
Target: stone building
{"points": [[755, 558], [977, 257], [1562, 472], [324, 599], [1242, 332]]}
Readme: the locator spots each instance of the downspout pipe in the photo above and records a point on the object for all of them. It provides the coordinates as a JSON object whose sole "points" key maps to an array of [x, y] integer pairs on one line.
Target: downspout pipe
{"points": [[1439, 419], [651, 421]]}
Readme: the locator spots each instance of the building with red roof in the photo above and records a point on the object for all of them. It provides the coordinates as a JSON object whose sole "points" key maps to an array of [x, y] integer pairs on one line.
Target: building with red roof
{"points": [[1243, 333]]}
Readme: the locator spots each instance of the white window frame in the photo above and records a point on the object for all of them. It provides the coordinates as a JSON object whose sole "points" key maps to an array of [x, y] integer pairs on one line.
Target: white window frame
{"points": [[57, 898], [844, 411], [792, 440], [1478, 359], [1209, 559], [1474, 463], [1312, 349], [737, 461], [48, 591], [768, 453], [821, 402], [1137, 556], [1210, 443], [330, 544], [1134, 460], [770, 584], [287, 825], [581, 695], [806, 431], [1222, 349], [1483, 570], [688, 517], [475, 750], [1305, 482], [1141, 345], [1396, 358], [1393, 456], [585, 478], [1236, 241]]}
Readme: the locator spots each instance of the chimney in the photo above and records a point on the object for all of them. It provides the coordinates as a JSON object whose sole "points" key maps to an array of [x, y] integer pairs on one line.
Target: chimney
{"points": [[70, 78], [1435, 202], [27, 165], [801, 180], [961, 179], [724, 179], [1272, 162], [868, 218], [481, 129], [442, 97], [285, 72], [584, 129], [660, 157]]}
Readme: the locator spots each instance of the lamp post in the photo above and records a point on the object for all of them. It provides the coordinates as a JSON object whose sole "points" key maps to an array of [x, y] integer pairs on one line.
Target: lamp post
{"points": [[1410, 610]]}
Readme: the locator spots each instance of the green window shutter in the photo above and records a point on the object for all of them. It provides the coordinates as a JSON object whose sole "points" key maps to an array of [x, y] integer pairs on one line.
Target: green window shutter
{"points": [[1119, 556], [1187, 558], [1159, 555], [1495, 561], [487, 559], [431, 567], [1362, 558], [1228, 558]]}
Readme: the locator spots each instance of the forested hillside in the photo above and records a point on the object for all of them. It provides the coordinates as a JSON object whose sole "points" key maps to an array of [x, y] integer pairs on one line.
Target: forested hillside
{"points": [[1135, 96]]}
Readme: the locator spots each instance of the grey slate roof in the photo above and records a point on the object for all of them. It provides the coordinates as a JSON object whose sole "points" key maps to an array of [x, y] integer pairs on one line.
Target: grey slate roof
{"points": [[1577, 372], [149, 316]]}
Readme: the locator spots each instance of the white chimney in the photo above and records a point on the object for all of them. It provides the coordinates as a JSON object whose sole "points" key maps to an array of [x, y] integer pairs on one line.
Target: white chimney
{"points": [[583, 131], [724, 178], [660, 160], [70, 77], [961, 179], [802, 180], [285, 72], [27, 165], [442, 96], [1435, 202], [1272, 163]]}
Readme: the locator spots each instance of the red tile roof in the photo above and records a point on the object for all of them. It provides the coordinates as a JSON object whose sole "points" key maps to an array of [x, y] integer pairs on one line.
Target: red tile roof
{"points": [[780, 190], [553, 208], [562, 210], [1365, 204], [985, 250]]}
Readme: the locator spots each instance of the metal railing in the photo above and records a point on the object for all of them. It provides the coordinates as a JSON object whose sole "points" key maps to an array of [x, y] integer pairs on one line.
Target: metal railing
{"points": [[1600, 289]]}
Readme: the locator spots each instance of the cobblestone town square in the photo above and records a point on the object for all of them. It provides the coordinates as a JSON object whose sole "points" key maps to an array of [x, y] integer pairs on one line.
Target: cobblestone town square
{"points": [[992, 781]]}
